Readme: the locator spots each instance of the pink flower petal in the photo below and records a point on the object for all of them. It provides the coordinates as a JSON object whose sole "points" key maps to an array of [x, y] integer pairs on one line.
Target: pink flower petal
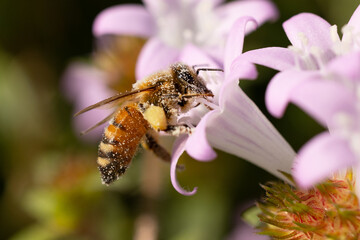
{"points": [[322, 156], [155, 56], [197, 145], [279, 90], [273, 57], [241, 129], [85, 85], [126, 19], [316, 30], [346, 66], [261, 11], [324, 99], [178, 150], [156, 5], [193, 55], [240, 69], [355, 20], [235, 41]]}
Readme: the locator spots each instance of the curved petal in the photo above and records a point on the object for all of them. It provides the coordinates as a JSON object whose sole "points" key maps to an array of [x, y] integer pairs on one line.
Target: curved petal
{"points": [[322, 156], [355, 20], [314, 28], [235, 41], [129, 19], [280, 88], [346, 66], [155, 56], [239, 69], [261, 11], [324, 99], [241, 129], [273, 57], [197, 146], [178, 150]]}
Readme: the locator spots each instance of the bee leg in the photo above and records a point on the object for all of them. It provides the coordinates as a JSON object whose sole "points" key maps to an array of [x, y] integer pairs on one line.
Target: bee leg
{"points": [[151, 143], [176, 130]]}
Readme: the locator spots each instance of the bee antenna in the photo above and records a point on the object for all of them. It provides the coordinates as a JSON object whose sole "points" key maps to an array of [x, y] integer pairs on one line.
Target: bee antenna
{"points": [[209, 69], [199, 65]]}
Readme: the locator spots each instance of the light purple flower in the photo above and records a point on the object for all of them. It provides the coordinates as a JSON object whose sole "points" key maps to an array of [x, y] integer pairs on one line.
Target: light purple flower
{"points": [[319, 73], [110, 69], [173, 24], [83, 85], [235, 124]]}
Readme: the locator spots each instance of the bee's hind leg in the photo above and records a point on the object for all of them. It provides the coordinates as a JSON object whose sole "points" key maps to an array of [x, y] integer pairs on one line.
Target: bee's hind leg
{"points": [[151, 143]]}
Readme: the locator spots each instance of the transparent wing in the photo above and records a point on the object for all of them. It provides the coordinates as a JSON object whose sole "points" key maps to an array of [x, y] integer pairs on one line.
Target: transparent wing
{"points": [[98, 124], [118, 100]]}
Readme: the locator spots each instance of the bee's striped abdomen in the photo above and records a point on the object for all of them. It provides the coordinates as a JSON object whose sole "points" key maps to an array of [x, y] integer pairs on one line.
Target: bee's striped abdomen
{"points": [[120, 141]]}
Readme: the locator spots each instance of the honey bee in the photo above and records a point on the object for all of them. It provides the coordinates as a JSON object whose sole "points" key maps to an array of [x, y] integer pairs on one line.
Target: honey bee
{"points": [[152, 106]]}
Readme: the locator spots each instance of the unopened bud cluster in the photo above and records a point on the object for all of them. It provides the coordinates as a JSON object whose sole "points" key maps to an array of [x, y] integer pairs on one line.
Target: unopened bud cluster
{"points": [[328, 211]]}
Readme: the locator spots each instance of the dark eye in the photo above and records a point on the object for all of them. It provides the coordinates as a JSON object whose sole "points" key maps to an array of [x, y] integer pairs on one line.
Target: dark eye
{"points": [[186, 76]]}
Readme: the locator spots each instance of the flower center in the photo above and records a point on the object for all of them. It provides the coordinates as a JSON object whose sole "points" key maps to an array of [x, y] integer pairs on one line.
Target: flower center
{"points": [[350, 40], [315, 58], [186, 21], [306, 57]]}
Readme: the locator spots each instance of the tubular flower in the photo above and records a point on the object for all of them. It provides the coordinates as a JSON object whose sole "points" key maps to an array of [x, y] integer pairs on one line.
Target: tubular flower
{"points": [[320, 74], [172, 25], [234, 124], [328, 211], [110, 70]]}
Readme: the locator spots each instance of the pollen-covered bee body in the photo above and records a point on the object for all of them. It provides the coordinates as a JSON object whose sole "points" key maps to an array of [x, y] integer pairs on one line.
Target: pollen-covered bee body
{"points": [[153, 104], [120, 141], [175, 90]]}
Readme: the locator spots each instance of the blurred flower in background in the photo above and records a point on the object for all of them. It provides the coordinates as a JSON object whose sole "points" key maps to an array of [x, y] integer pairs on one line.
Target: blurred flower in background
{"points": [[319, 73], [110, 70], [172, 25]]}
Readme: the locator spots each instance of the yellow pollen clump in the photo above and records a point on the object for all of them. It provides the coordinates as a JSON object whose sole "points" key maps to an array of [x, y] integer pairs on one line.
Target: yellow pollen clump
{"points": [[156, 117], [103, 162]]}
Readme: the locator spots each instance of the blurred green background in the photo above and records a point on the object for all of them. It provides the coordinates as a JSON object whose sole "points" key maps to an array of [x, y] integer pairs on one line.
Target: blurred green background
{"points": [[49, 183]]}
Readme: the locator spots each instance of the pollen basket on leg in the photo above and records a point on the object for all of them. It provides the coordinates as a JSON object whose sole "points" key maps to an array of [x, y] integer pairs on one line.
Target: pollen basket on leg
{"points": [[120, 141]]}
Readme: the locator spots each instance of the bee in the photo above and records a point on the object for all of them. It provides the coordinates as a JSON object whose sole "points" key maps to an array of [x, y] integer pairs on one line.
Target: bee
{"points": [[152, 106]]}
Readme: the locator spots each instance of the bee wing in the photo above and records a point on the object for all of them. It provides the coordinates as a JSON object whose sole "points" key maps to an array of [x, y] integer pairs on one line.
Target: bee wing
{"points": [[98, 124], [119, 99]]}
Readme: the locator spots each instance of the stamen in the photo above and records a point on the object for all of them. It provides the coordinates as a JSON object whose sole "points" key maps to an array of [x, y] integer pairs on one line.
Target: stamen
{"points": [[297, 52], [208, 103], [317, 53], [186, 120], [304, 40], [334, 34]]}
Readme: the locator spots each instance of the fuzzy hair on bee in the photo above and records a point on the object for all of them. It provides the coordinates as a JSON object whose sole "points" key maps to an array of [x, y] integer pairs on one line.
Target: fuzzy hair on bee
{"points": [[153, 105]]}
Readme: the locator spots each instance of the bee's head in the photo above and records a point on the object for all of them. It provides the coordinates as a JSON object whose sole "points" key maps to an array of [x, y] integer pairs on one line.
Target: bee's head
{"points": [[188, 81]]}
